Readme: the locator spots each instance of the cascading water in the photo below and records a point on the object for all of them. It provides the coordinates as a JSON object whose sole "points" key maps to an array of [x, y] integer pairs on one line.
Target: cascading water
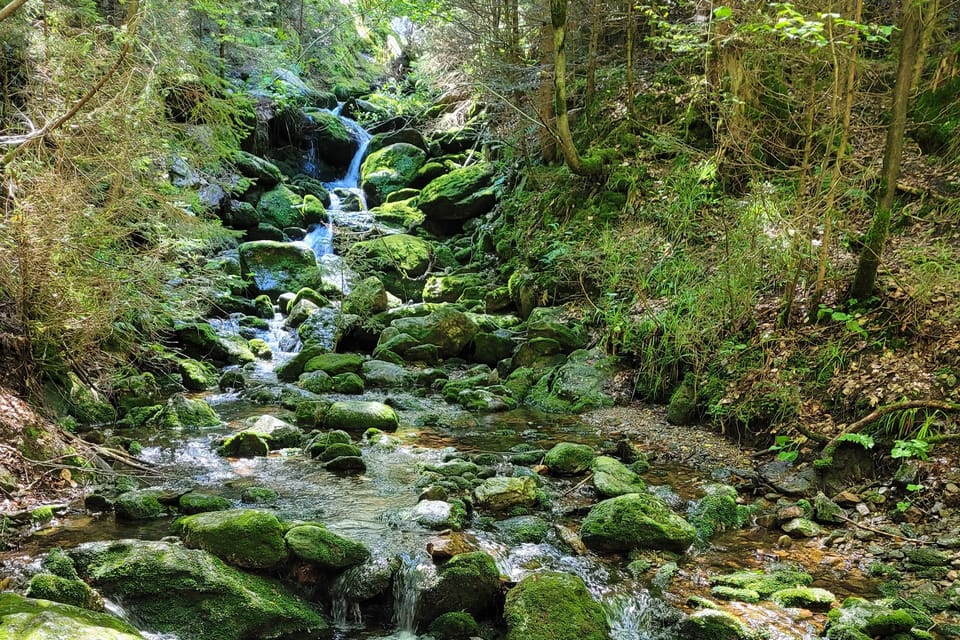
{"points": [[416, 572]]}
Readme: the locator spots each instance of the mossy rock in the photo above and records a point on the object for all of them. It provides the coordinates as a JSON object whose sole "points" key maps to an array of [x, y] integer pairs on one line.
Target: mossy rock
{"points": [[440, 514], [811, 598], [316, 382], [400, 258], [85, 404], [450, 288], [140, 390], [447, 328], [277, 267], [190, 413], [243, 537], [455, 625], [335, 363], [358, 415], [524, 529], [717, 511], [551, 322], [467, 582], [323, 548], [399, 213], [613, 478], [192, 594], [501, 493], [710, 624], [569, 459], [366, 298], [733, 593], [307, 293], [263, 171], [765, 583], [461, 194], [59, 563], [492, 347], [682, 409], [348, 383], [197, 376], [553, 606], [336, 450], [200, 340], [193, 502], [577, 385], [281, 207], [140, 504], [263, 307], [258, 495], [636, 521], [24, 618], [485, 400], [332, 138], [390, 169], [293, 368], [72, 591]]}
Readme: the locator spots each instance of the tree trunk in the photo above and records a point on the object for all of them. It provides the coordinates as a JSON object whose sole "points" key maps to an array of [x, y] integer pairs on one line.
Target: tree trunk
{"points": [[593, 52], [910, 26], [631, 37], [558, 19], [548, 141]]}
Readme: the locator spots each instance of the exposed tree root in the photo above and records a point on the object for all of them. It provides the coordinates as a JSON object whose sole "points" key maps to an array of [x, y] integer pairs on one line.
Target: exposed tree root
{"points": [[879, 412]]}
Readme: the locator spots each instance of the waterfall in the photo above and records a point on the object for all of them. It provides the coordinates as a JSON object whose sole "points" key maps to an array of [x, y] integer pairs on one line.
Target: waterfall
{"points": [[415, 573]]}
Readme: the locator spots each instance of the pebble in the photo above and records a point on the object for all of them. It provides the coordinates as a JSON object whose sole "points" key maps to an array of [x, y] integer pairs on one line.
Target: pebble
{"points": [[951, 488], [863, 509], [784, 541]]}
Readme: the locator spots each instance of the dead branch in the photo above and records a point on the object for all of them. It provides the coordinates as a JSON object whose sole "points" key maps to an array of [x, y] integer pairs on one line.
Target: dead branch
{"points": [[879, 412], [11, 7]]}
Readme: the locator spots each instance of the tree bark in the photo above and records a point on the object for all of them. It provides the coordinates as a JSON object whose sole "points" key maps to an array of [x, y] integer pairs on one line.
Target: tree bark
{"points": [[11, 8], [593, 52], [910, 26], [548, 141]]}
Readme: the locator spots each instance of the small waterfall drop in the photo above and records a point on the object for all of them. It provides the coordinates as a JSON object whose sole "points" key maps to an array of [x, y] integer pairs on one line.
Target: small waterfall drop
{"points": [[416, 572]]}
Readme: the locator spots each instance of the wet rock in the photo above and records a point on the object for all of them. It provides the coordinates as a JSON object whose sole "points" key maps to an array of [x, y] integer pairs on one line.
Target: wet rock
{"points": [[366, 298], [451, 544], [323, 548], [461, 194], [358, 415], [231, 381], [439, 514], [193, 502], [258, 495], [140, 504], [346, 464], [320, 442], [715, 625], [717, 511], [826, 510], [378, 373], [567, 458], [455, 625], [59, 582], [281, 207], [733, 593], [570, 538], [801, 528], [577, 385], [390, 169], [613, 478], [243, 537], [764, 583], [553, 606], [246, 444], [192, 413], [334, 363], [485, 400], [636, 521], [39, 619], [785, 478], [870, 619], [191, 593], [523, 529], [811, 598], [501, 493], [490, 348], [467, 582], [200, 340], [552, 323], [277, 267], [448, 329]]}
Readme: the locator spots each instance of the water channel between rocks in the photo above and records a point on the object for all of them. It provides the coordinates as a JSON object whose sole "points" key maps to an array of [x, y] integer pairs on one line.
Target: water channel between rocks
{"points": [[375, 507]]}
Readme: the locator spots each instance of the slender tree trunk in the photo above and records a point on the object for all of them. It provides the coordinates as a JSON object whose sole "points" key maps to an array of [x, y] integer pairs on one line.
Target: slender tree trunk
{"points": [[836, 174], [910, 26], [593, 52], [512, 9], [11, 8], [631, 36], [558, 18], [548, 141]]}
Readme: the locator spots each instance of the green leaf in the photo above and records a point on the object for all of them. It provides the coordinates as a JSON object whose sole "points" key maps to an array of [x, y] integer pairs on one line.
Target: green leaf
{"points": [[722, 13], [861, 439]]}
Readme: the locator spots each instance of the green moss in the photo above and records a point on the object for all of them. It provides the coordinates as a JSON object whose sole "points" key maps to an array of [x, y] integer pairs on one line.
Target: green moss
{"points": [[567, 458], [717, 511], [928, 557], [612, 478], [76, 592], [733, 593], [193, 502], [357, 415], [335, 363], [710, 624], [173, 589], [889, 622], [455, 625], [25, 618], [41, 515], [327, 550], [281, 207], [197, 376], [460, 194], [60, 564], [845, 632], [764, 583], [141, 504], [636, 521], [553, 606], [806, 597], [244, 537], [390, 169]]}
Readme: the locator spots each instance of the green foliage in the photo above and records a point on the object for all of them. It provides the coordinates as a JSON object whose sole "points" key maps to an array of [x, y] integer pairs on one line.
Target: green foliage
{"points": [[913, 448]]}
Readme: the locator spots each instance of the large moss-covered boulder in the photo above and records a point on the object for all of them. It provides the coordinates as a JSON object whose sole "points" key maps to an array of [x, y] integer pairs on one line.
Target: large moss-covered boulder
{"points": [[192, 593], [197, 376], [245, 444], [139, 504], [323, 548], [334, 141], [553, 606], [264, 172], [139, 390], [366, 298], [201, 341], [278, 267], [182, 412], [636, 521], [399, 213], [359, 415], [447, 328], [334, 363], [243, 537], [502, 493], [568, 458], [467, 582], [292, 369], [36, 619], [577, 385], [613, 478], [450, 288], [67, 590], [552, 322], [281, 207], [461, 194], [390, 169], [711, 624], [399, 258]]}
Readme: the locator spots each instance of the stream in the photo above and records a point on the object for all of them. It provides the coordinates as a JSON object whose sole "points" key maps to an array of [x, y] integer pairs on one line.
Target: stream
{"points": [[376, 507]]}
